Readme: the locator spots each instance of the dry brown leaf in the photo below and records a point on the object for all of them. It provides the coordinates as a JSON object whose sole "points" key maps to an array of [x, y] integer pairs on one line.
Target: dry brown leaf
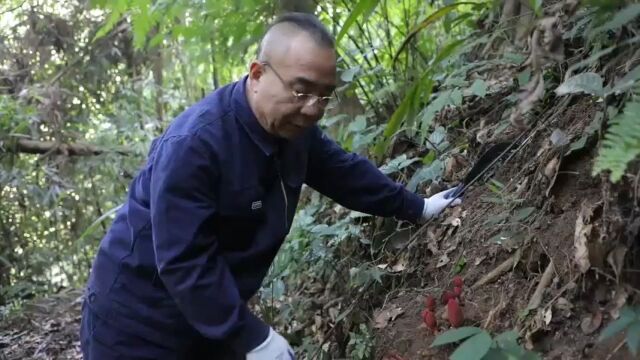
{"points": [[619, 300], [400, 266], [552, 168], [548, 316], [455, 164], [444, 260], [383, 317], [582, 236], [432, 242], [453, 221], [564, 306], [591, 322]]}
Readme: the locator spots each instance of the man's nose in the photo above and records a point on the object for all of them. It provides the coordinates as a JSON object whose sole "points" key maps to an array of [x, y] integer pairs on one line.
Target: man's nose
{"points": [[312, 110]]}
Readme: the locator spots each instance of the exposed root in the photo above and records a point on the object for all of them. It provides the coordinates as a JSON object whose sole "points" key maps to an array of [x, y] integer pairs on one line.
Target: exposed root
{"points": [[536, 298]]}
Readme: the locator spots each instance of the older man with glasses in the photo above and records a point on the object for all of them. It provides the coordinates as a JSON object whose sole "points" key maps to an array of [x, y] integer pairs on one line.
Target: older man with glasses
{"points": [[208, 212]]}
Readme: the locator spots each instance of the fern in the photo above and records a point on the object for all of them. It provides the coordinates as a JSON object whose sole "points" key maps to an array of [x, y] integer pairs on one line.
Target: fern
{"points": [[621, 143]]}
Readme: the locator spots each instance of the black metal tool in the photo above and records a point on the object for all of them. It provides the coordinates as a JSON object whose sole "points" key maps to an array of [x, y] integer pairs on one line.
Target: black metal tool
{"points": [[490, 157]]}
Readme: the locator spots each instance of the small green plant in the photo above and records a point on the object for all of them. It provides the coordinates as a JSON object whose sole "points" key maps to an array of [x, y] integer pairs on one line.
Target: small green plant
{"points": [[629, 320], [360, 343], [478, 344], [621, 143]]}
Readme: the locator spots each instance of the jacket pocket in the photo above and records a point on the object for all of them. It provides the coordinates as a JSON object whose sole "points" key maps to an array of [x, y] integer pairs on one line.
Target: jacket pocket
{"points": [[241, 211], [242, 202]]}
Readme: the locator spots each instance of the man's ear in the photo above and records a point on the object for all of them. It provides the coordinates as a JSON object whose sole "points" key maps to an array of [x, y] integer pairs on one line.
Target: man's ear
{"points": [[256, 69]]}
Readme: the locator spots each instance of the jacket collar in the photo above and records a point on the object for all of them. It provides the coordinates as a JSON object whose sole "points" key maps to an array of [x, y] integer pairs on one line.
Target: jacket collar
{"points": [[267, 142]]}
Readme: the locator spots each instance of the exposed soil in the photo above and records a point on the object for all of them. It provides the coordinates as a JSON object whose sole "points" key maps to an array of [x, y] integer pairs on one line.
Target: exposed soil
{"points": [[484, 239], [45, 329]]}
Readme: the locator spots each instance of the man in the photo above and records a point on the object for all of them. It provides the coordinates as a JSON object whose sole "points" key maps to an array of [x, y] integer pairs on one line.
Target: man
{"points": [[207, 214]]}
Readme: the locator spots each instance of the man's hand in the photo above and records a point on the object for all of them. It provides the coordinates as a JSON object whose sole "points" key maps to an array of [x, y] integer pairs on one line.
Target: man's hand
{"points": [[275, 347], [434, 205]]}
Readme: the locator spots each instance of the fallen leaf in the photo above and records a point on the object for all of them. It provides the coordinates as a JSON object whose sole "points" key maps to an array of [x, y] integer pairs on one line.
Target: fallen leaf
{"points": [[455, 164], [619, 300], [616, 258], [383, 317], [580, 243], [453, 221], [400, 266], [591, 322], [552, 168], [444, 260], [583, 246], [479, 260], [548, 315], [564, 306], [432, 242]]}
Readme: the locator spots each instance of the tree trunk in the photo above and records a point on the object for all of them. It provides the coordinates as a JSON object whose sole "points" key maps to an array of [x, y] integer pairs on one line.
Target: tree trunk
{"points": [[50, 147], [158, 78]]}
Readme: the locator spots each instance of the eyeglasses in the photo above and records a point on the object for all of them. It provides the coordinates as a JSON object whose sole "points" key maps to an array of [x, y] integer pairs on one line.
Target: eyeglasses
{"points": [[302, 98]]}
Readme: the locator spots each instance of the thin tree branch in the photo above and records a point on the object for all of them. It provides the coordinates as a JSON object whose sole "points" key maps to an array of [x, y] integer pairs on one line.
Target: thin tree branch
{"points": [[13, 9], [28, 146]]}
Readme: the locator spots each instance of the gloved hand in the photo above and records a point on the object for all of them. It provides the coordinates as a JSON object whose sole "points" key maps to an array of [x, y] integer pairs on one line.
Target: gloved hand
{"points": [[275, 347], [435, 204]]}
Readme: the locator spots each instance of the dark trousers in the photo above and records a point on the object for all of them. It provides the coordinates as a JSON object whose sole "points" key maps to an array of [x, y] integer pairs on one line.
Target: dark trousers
{"points": [[100, 340]]}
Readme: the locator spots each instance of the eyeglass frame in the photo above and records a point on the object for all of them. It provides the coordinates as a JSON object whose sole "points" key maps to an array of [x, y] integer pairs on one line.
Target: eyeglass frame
{"points": [[312, 99]]}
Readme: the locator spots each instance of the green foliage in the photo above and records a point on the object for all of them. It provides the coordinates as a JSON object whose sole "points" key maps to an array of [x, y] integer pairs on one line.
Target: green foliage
{"points": [[434, 17], [360, 343], [478, 344], [362, 9], [405, 111], [621, 143], [455, 335], [621, 18], [629, 320], [590, 83]]}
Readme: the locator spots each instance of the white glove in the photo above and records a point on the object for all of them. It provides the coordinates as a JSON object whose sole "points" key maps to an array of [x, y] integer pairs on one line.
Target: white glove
{"points": [[434, 205], [275, 347]]}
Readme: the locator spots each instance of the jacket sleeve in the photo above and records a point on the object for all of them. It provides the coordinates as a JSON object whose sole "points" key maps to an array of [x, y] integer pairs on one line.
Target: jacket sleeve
{"points": [[182, 203], [356, 183]]}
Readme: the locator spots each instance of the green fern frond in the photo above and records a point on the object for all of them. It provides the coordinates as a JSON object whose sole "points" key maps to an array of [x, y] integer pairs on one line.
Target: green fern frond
{"points": [[621, 143]]}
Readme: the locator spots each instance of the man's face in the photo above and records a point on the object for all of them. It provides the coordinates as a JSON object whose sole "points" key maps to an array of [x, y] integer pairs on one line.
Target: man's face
{"points": [[291, 89]]}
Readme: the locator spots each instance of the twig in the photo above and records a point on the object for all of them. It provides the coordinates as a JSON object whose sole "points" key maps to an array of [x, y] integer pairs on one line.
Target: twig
{"points": [[497, 272], [618, 347], [494, 311], [562, 290], [611, 278], [13, 8], [536, 299]]}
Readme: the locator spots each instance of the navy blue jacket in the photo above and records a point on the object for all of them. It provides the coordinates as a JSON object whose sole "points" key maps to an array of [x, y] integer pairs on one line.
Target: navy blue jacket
{"points": [[206, 215]]}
